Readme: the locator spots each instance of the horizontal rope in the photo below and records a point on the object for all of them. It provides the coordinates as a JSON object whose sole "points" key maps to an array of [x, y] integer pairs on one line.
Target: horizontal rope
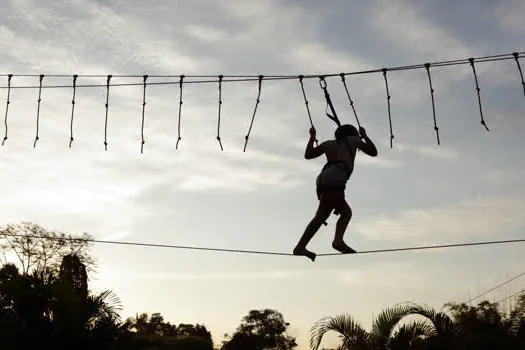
{"points": [[154, 245], [254, 77]]}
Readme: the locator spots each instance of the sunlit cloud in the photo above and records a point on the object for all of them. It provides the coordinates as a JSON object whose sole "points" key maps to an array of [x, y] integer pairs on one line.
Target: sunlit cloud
{"points": [[477, 218]]}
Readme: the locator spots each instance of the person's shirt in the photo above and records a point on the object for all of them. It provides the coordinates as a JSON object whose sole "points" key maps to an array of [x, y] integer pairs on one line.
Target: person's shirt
{"points": [[338, 151]]}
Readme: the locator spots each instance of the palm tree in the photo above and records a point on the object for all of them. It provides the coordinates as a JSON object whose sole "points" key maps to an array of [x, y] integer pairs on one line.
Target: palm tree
{"points": [[102, 320], [384, 334], [102, 308], [350, 332]]}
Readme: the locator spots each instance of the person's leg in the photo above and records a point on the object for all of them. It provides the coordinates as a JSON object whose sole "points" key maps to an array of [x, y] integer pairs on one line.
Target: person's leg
{"points": [[342, 223], [326, 205]]}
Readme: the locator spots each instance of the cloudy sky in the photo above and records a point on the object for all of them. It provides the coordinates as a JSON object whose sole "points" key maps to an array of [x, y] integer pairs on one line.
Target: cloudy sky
{"points": [[468, 189]]}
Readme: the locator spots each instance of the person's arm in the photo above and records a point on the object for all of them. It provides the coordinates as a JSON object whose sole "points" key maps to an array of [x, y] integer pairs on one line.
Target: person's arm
{"points": [[311, 151], [368, 146]]}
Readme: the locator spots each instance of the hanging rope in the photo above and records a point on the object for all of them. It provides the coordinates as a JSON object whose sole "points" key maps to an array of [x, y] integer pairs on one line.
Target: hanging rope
{"points": [[334, 117], [143, 111], [247, 78], [219, 116], [471, 60], [107, 106], [322, 83], [427, 66], [516, 57], [38, 110], [350, 99], [72, 109], [181, 78], [254, 111], [389, 113], [7, 105], [301, 77]]}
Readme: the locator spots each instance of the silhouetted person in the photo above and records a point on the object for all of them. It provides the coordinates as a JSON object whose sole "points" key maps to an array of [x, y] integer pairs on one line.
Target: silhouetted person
{"points": [[331, 183]]}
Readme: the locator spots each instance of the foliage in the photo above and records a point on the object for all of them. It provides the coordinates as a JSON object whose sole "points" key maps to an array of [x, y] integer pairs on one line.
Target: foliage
{"points": [[261, 329], [37, 249], [484, 327], [45, 302], [50, 311], [155, 326], [463, 327], [387, 331]]}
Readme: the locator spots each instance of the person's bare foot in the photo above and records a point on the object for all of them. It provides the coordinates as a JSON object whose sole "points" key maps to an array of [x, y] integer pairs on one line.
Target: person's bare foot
{"points": [[342, 247], [304, 252]]}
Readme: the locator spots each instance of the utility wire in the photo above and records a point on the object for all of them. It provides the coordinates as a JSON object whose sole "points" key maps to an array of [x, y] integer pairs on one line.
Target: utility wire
{"points": [[496, 287], [266, 252], [509, 297], [243, 78]]}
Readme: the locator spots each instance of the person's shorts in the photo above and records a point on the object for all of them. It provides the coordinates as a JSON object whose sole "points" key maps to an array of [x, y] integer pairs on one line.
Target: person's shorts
{"points": [[333, 178]]}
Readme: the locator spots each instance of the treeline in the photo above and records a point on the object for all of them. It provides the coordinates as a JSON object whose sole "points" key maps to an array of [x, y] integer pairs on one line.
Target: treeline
{"points": [[45, 302]]}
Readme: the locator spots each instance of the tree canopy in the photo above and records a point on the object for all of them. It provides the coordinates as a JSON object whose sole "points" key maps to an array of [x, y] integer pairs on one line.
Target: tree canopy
{"points": [[261, 329]]}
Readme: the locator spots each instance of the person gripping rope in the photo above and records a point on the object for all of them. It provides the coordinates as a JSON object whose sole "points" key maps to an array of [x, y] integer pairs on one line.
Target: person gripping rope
{"points": [[331, 183]]}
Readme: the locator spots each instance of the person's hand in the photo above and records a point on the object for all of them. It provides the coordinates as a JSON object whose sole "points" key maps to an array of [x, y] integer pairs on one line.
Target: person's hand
{"points": [[362, 131], [312, 133]]}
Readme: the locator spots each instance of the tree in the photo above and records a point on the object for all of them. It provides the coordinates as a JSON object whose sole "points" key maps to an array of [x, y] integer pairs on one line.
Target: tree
{"points": [[37, 249], [38, 311], [74, 272], [261, 329], [517, 320], [154, 325], [482, 326], [25, 309], [152, 332], [387, 331], [189, 330]]}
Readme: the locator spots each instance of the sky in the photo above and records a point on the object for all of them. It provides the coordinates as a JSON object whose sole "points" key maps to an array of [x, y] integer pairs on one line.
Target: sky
{"points": [[467, 189]]}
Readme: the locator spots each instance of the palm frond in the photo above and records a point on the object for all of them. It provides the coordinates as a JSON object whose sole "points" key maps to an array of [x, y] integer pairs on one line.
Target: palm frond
{"points": [[104, 307], [442, 322], [350, 331], [419, 328], [407, 334], [386, 321]]}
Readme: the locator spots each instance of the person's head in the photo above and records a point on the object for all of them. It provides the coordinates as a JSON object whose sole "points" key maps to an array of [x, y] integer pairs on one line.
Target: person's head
{"points": [[346, 130]]}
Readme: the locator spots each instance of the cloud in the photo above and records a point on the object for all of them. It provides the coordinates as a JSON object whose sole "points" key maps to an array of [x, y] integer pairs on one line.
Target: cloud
{"points": [[373, 276], [401, 23], [511, 17], [117, 273], [206, 33], [267, 20], [316, 56], [440, 152], [237, 172], [502, 176], [380, 162], [473, 218], [113, 236], [116, 38]]}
